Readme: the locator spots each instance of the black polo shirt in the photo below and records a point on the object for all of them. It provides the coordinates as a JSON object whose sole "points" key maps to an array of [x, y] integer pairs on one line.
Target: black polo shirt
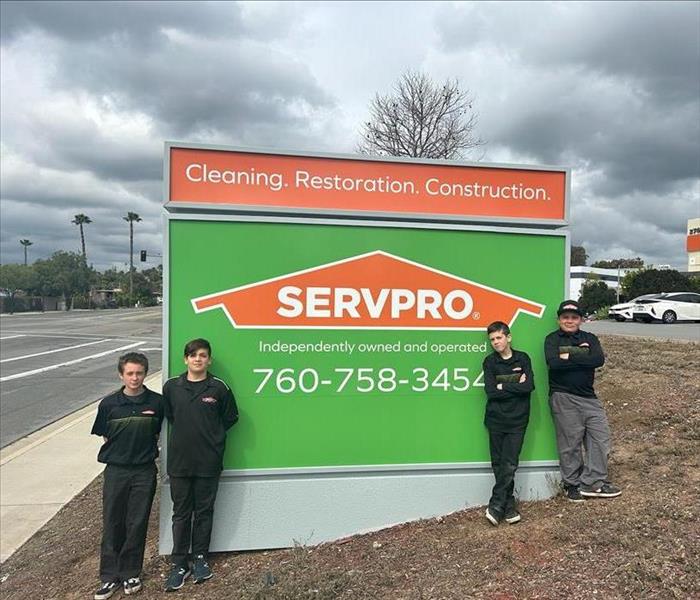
{"points": [[576, 374], [131, 425], [507, 409], [199, 413]]}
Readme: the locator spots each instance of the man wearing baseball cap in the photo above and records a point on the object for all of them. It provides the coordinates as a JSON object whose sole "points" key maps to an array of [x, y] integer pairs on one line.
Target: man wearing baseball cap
{"points": [[573, 356]]}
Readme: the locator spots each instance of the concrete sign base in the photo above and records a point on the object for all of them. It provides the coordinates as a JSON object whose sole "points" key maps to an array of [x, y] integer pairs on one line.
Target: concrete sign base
{"points": [[277, 508]]}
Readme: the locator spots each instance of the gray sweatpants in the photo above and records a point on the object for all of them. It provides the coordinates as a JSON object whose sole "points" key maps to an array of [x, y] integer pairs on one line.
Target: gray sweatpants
{"points": [[581, 423]]}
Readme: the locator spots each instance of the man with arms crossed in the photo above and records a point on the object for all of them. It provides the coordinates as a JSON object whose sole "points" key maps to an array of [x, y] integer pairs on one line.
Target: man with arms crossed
{"points": [[572, 357]]}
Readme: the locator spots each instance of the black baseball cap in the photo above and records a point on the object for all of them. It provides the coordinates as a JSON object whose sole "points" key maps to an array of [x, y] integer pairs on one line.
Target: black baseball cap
{"points": [[569, 306]]}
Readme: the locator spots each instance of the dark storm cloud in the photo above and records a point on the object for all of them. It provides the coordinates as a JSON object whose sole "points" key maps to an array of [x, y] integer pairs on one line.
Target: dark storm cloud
{"points": [[203, 66], [195, 72], [655, 42], [140, 22], [607, 233], [227, 87], [652, 41], [611, 84], [638, 147], [86, 148]]}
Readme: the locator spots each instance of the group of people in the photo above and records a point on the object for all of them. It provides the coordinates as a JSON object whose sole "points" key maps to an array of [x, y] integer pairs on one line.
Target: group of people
{"points": [[201, 408], [582, 431]]}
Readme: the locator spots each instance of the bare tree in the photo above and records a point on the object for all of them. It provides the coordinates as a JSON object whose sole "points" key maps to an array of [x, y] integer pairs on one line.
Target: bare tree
{"points": [[81, 220], [422, 119], [26, 244], [131, 218]]}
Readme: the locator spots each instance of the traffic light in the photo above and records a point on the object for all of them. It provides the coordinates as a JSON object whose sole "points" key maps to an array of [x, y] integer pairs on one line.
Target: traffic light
{"points": [[143, 256]]}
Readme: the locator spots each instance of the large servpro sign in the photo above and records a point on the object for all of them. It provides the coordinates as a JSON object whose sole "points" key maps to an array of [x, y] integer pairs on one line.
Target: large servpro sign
{"points": [[257, 181], [361, 345]]}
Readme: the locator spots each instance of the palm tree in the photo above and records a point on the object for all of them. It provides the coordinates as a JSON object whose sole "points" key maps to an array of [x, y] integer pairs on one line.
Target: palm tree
{"points": [[25, 243], [81, 220], [130, 218]]}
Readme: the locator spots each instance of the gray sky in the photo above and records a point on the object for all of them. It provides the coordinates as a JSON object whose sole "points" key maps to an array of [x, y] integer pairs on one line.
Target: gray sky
{"points": [[90, 90]]}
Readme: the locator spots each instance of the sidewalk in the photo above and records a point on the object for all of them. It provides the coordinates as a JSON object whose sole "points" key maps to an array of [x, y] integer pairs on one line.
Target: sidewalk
{"points": [[42, 472]]}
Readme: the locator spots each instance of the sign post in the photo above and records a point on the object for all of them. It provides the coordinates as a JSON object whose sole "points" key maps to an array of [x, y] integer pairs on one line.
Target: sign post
{"points": [[346, 300]]}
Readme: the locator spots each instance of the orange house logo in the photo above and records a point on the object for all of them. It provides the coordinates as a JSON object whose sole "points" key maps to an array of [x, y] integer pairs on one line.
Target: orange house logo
{"points": [[376, 290]]}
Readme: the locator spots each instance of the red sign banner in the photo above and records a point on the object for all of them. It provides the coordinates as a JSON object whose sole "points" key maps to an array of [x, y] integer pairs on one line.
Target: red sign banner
{"points": [[267, 182]]}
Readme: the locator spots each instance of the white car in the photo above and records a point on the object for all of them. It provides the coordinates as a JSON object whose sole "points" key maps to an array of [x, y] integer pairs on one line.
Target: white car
{"points": [[623, 311], [668, 308]]}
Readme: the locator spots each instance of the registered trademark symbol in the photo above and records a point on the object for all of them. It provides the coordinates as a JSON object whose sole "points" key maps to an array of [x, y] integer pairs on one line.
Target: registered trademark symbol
{"points": [[476, 316]]}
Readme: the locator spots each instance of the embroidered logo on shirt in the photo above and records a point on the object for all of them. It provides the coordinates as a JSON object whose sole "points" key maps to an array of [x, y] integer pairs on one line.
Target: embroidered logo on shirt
{"points": [[209, 400], [148, 412], [517, 369]]}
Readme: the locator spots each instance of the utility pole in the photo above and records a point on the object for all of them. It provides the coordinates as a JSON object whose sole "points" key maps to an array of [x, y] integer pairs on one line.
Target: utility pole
{"points": [[130, 218]]}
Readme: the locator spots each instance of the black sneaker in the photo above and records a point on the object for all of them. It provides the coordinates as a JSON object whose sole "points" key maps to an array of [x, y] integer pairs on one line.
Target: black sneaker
{"points": [[176, 579], [607, 490], [512, 517], [132, 585], [573, 493], [200, 569], [493, 517], [106, 590]]}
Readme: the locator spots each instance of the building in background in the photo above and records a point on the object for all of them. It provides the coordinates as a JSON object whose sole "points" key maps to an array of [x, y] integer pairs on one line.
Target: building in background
{"points": [[579, 275], [693, 245]]}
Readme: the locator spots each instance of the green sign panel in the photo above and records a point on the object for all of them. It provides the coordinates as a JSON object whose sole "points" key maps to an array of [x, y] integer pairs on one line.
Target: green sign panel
{"points": [[360, 345]]}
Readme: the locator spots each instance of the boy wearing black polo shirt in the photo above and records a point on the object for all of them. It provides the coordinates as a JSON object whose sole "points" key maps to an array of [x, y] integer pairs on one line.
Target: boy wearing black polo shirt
{"points": [[200, 409], [508, 383], [572, 356], [129, 422]]}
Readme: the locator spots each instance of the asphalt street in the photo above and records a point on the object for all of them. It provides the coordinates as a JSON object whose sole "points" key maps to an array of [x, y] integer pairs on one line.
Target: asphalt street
{"points": [[54, 363], [678, 331]]}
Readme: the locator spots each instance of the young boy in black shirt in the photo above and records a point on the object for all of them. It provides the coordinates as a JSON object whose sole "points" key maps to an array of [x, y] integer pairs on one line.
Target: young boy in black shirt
{"points": [[129, 421], [572, 356], [508, 382], [200, 409]]}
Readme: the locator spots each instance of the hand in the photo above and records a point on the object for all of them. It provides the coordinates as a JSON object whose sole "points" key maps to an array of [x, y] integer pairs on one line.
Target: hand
{"points": [[564, 356], [499, 386], [523, 378]]}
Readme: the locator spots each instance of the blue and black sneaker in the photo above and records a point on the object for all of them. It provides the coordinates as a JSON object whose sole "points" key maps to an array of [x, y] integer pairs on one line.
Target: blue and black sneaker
{"points": [[177, 577], [200, 569]]}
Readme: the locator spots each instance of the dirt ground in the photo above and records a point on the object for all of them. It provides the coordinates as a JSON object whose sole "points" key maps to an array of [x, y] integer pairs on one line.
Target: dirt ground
{"points": [[645, 544]]}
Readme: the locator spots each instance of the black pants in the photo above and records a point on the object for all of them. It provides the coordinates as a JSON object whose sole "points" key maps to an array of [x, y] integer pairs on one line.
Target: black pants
{"points": [[127, 496], [193, 511], [505, 452]]}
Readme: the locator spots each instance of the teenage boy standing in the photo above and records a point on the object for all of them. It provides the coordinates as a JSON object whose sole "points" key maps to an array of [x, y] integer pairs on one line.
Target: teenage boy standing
{"points": [[200, 409], [572, 357], [508, 383], [129, 421]]}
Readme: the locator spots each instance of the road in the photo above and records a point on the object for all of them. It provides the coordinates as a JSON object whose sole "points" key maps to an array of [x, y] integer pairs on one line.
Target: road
{"points": [[677, 331], [52, 364]]}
